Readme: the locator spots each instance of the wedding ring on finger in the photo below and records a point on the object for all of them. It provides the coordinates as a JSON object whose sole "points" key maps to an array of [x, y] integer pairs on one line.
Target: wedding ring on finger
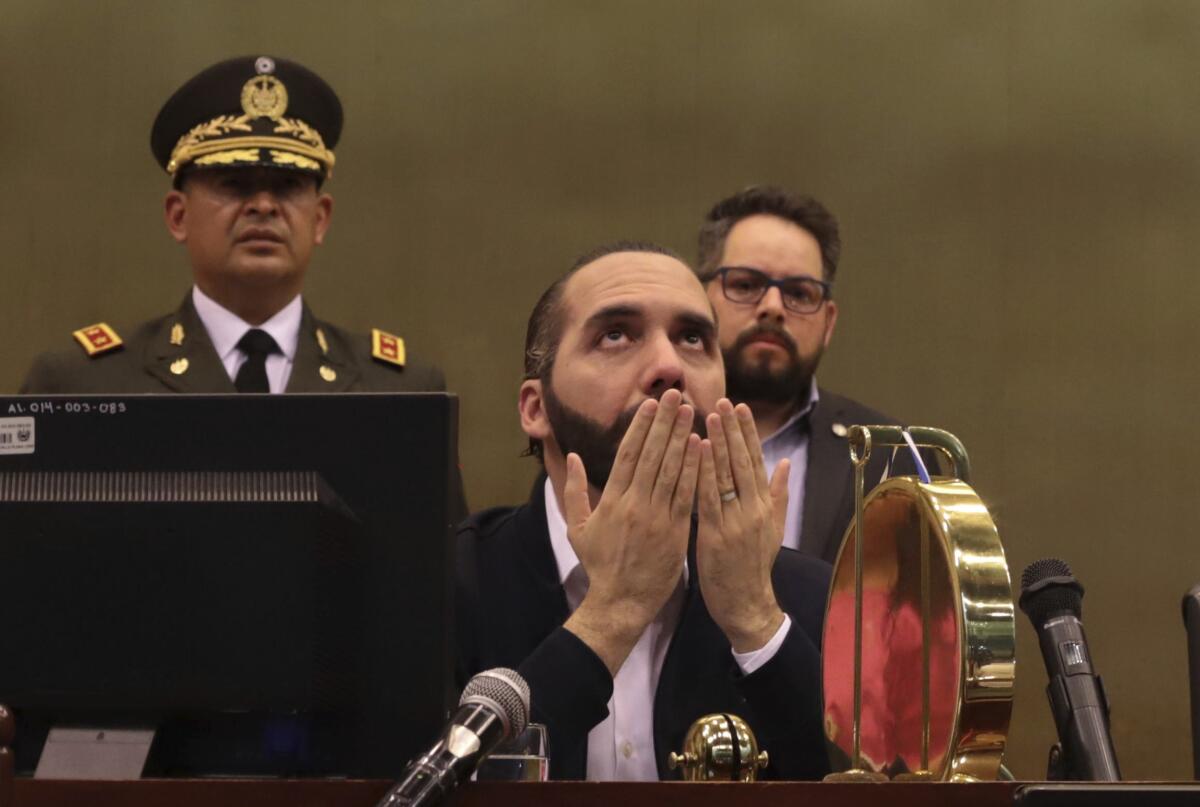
{"points": [[728, 496]]}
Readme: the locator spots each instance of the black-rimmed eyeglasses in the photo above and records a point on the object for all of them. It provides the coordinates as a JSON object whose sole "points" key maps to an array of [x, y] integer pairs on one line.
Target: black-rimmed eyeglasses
{"points": [[801, 295]]}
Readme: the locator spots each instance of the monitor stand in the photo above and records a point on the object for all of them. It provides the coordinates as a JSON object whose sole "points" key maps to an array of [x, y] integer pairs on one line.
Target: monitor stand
{"points": [[94, 752]]}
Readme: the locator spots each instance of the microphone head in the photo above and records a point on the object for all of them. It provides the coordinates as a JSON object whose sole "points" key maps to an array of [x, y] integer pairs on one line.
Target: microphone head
{"points": [[1047, 587], [1041, 569], [1191, 611], [505, 691]]}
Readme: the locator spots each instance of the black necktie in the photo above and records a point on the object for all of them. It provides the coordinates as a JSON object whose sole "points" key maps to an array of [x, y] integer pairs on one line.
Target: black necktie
{"points": [[252, 376]]}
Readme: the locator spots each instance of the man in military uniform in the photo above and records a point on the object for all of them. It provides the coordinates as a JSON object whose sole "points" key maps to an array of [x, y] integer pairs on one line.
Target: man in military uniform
{"points": [[248, 143]]}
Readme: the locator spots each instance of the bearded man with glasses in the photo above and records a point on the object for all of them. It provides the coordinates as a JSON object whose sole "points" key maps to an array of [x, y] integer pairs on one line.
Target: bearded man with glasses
{"points": [[767, 258]]}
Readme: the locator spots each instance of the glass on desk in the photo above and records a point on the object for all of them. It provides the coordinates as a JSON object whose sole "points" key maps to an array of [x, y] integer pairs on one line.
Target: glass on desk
{"points": [[522, 759]]}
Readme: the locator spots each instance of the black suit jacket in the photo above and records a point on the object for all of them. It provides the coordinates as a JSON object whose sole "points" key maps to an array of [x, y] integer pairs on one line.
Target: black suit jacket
{"points": [[829, 480], [510, 612]]}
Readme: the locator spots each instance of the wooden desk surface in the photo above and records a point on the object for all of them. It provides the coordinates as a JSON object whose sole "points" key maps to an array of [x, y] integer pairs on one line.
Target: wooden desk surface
{"points": [[268, 793]]}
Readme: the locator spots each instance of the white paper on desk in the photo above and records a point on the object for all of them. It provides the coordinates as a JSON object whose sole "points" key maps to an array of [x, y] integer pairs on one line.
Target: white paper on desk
{"points": [[94, 753]]}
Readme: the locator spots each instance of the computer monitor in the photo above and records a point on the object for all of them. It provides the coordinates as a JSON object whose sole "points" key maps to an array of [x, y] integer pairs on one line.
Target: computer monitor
{"points": [[267, 579]]}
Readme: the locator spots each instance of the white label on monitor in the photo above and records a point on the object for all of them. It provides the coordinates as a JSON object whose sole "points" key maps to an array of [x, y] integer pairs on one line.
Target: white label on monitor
{"points": [[16, 436]]}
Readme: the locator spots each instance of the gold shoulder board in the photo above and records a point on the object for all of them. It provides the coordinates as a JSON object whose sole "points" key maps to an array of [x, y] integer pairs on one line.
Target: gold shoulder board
{"points": [[387, 347], [98, 338]]}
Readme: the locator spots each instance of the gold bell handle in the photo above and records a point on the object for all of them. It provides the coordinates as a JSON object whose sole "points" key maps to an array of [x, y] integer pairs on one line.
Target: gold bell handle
{"points": [[924, 436], [762, 760], [685, 760]]}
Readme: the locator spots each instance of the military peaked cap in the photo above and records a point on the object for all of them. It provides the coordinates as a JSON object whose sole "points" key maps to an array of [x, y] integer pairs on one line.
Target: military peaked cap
{"points": [[250, 111]]}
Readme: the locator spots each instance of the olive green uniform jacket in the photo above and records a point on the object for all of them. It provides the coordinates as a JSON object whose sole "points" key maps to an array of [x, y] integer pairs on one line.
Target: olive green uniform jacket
{"points": [[149, 362]]}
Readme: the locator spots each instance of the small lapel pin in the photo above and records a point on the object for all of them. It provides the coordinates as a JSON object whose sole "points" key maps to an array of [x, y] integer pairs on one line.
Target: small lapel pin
{"points": [[179, 366], [328, 373], [322, 343], [839, 429], [176, 334]]}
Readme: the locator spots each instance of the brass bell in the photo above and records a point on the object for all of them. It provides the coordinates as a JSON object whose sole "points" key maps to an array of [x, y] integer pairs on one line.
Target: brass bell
{"points": [[719, 747]]}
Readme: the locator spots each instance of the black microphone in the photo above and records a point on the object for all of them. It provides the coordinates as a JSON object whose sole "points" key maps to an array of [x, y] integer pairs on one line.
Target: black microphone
{"points": [[494, 707], [1053, 600], [1191, 622]]}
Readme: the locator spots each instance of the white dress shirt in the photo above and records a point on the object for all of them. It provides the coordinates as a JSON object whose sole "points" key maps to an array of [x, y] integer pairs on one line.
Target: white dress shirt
{"points": [[790, 441], [226, 329], [621, 747]]}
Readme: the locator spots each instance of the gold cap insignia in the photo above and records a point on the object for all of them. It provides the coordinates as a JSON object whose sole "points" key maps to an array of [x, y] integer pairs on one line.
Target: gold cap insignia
{"points": [[324, 345], [98, 338], [387, 347], [179, 366], [264, 96], [176, 334], [328, 373]]}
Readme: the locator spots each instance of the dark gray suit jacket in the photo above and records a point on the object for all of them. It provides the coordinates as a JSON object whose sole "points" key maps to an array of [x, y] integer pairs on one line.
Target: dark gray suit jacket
{"points": [[829, 481]]}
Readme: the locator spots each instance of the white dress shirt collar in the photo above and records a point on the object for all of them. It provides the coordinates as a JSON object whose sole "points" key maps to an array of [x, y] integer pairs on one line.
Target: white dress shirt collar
{"points": [[564, 554], [225, 328], [801, 413]]}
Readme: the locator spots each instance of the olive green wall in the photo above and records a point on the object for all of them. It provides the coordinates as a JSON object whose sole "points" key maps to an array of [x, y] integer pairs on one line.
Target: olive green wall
{"points": [[1016, 183]]}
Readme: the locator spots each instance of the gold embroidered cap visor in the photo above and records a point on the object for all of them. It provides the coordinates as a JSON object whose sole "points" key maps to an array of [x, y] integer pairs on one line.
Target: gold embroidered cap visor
{"points": [[250, 111]]}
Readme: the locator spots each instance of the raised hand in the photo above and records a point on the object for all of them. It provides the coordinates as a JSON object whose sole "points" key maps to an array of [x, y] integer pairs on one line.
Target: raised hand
{"points": [[633, 545], [741, 528]]}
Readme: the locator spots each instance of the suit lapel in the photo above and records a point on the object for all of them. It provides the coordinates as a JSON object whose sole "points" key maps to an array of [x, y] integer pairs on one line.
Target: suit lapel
{"points": [[317, 368], [825, 494], [193, 365], [537, 556], [698, 674], [541, 600], [694, 670]]}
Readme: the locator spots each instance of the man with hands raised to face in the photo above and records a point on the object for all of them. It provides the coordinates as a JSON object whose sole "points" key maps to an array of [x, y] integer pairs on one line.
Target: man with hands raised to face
{"points": [[643, 585]]}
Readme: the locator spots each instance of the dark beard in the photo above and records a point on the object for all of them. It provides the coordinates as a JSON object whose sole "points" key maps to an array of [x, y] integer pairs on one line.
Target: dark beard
{"points": [[748, 380], [595, 444]]}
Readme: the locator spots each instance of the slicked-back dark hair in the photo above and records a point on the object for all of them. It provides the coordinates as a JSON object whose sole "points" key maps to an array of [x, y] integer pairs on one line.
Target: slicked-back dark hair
{"points": [[545, 328], [803, 211]]}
